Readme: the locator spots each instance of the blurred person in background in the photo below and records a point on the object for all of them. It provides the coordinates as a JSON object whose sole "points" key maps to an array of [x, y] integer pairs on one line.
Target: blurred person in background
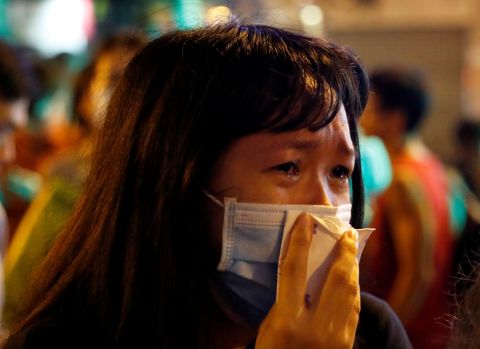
{"points": [[14, 104], [66, 173], [23, 179], [408, 260], [467, 156], [205, 127], [467, 163]]}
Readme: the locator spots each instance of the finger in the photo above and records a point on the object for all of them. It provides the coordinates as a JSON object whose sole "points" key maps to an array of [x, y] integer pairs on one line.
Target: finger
{"points": [[292, 269], [341, 288], [352, 321], [344, 334]]}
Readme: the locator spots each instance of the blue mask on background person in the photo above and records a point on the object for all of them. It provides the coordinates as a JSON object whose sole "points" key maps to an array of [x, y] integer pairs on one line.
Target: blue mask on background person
{"points": [[251, 244]]}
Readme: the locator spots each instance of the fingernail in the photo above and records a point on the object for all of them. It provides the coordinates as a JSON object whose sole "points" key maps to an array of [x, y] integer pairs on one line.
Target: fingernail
{"points": [[303, 218], [352, 234]]}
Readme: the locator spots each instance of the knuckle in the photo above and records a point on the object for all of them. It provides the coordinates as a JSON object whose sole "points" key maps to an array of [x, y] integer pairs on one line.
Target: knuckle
{"points": [[352, 289], [353, 286], [288, 268], [341, 275], [303, 220], [348, 248], [284, 326], [356, 308], [342, 340], [301, 239]]}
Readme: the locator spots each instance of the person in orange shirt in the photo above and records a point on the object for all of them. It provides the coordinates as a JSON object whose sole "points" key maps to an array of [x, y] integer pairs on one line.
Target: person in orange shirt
{"points": [[409, 258]]}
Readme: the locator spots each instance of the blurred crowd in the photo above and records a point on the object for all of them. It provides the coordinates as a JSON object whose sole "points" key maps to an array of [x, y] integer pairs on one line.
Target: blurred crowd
{"points": [[50, 115], [425, 211]]}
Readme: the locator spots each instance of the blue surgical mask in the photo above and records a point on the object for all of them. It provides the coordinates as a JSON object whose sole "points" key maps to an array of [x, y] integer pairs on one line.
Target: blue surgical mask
{"points": [[251, 244]]}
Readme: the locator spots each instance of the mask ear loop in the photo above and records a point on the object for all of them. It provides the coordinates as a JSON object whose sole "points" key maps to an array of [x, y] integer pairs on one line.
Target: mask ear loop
{"points": [[213, 198]]}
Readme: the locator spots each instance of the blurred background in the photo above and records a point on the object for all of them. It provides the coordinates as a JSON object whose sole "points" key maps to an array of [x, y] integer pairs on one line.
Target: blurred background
{"points": [[439, 37]]}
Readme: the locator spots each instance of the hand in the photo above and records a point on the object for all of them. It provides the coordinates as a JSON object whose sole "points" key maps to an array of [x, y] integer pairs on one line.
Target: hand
{"points": [[332, 320]]}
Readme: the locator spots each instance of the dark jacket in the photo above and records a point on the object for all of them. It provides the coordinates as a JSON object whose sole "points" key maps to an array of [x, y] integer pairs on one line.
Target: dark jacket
{"points": [[378, 327]]}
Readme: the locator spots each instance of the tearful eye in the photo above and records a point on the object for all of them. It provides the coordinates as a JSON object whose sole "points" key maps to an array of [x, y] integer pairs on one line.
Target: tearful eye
{"points": [[290, 169], [342, 173]]}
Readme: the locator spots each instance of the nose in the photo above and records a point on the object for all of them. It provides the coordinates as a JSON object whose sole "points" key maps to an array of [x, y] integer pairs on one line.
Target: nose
{"points": [[318, 192]]}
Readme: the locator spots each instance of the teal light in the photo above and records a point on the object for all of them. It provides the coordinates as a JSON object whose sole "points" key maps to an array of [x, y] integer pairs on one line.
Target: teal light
{"points": [[188, 13], [376, 166], [24, 183], [376, 170], [457, 200], [4, 28]]}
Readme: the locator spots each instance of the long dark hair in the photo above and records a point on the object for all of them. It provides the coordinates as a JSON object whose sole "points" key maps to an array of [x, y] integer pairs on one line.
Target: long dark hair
{"points": [[466, 329], [131, 262]]}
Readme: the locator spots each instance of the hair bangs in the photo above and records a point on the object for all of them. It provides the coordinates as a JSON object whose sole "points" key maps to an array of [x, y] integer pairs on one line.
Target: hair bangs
{"points": [[306, 82], [310, 103]]}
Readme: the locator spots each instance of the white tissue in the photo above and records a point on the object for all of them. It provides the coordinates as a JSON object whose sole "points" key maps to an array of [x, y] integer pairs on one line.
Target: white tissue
{"points": [[329, 230]]}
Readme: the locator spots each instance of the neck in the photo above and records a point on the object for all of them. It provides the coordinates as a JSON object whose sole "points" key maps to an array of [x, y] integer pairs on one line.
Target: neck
{"points": [[394, 148], [396, 145]]}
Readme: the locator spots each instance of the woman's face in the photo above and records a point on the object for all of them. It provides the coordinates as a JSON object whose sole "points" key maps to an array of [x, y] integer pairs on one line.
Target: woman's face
{"points": [[297, 167]]}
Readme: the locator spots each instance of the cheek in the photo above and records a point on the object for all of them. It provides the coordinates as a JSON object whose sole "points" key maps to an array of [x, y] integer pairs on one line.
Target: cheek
{"points": [[345, 198], [265, 188]]}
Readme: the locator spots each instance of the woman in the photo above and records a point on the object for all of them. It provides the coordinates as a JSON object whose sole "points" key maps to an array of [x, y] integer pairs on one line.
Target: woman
{"points": [[200, 117]]}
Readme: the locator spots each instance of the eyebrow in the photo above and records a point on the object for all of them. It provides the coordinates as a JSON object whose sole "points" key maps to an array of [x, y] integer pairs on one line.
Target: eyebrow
{"points": [[302, 144], [299, 144]]}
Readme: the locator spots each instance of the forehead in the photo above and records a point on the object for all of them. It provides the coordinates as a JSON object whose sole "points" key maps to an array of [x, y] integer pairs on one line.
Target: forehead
{"points": [[337, 129], [336, 133]]}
